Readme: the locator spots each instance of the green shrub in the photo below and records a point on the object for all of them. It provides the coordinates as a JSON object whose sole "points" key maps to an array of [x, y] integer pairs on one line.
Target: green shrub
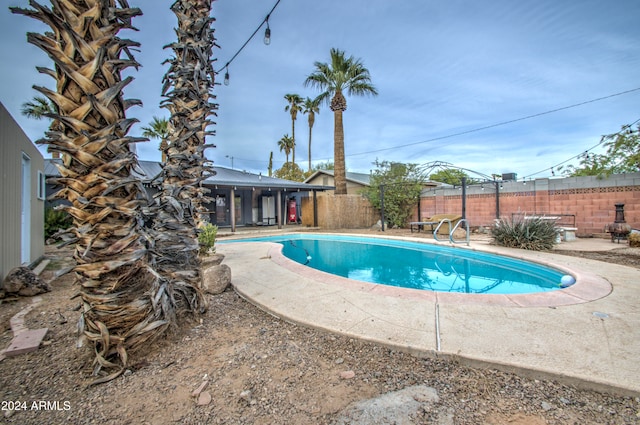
{"points": [[534, 234], [55, 220], [207, 238]]}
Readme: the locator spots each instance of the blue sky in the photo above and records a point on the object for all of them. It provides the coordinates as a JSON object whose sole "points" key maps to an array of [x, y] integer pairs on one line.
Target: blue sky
{"points": [[444, 71]]}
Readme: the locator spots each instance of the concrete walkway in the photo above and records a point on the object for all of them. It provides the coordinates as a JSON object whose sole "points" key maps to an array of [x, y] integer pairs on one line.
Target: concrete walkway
{"points": [[588, 335]]}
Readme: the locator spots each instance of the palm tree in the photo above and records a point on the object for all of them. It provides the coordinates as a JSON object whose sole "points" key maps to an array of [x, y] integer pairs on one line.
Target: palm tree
{"points": [[311, 107], [294, 106], [341, 75], [38, 108], [123, 299], [286, 144], [158, 129], [178, 205]]}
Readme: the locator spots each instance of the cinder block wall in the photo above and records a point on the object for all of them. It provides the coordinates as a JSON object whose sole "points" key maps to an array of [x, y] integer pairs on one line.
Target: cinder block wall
{"points": [[590, 199]]}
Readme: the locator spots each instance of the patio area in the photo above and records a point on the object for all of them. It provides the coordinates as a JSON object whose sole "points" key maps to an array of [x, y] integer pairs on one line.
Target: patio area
{"points": [[591, 342]]}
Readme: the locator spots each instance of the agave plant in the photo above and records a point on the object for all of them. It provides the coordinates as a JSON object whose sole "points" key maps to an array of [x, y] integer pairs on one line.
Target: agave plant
{"points": [[125, 302]]}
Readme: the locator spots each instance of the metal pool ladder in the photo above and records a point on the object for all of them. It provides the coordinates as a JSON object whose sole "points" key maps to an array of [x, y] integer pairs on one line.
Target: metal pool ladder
{"points": [[451, 231]]}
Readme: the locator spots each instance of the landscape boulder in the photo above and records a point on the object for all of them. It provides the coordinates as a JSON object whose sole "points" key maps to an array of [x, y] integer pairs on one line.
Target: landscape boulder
{"points": [[216, 279], [24, 282], [207, 261], [396, 407]]}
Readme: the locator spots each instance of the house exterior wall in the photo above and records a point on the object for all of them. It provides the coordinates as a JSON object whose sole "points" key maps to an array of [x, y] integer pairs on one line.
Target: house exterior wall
{"points": [[13, 144], [591, 200], [353, 188]]}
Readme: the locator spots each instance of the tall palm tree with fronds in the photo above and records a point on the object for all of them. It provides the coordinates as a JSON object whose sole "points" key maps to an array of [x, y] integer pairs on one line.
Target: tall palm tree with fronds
{"points": [[286, 144], [294, 106], [124, 301], [342, 75], [158, 129], [37, 108], [311, 107]]}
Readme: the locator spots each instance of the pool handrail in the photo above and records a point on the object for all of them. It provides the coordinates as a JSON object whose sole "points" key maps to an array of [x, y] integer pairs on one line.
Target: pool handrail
{"points": [[466, 222], [467, 238], [435, 232]]}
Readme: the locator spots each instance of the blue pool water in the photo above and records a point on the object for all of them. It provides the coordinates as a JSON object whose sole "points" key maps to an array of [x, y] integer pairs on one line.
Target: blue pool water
{"points": [[416, 265]]}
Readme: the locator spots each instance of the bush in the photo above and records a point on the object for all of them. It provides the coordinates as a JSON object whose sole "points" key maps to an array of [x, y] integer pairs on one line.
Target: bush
{"points": [[55, 220], [207, 238], [634, 239], [534, 234]]}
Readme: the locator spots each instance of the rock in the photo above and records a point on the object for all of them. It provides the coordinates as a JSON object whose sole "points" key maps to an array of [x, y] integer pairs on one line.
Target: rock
{"points": [[216, 279], [378, 225], [546, 406], [347, 374], [199, 390], [204, 398], [246, 395], [391, 408], [23, 281], [207, 261]]}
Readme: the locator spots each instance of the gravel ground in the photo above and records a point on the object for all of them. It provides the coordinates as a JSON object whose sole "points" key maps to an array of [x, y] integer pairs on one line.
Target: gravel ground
{"points": [[261, 370]]}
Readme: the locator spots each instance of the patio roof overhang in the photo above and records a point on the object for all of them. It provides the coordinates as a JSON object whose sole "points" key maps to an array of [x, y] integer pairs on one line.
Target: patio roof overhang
{"points": [[149, 172]]}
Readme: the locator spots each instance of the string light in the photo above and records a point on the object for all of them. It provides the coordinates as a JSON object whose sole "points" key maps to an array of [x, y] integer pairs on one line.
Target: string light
{"points": [[267, 41], [267, 33]]}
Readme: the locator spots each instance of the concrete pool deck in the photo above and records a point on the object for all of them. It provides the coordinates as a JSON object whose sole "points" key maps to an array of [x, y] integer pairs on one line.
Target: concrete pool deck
{"points": [[589, 339]]}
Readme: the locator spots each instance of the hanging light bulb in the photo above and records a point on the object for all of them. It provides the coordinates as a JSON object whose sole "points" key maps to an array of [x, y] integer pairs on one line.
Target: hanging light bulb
{"points": [[267, 33], [226, 77]]}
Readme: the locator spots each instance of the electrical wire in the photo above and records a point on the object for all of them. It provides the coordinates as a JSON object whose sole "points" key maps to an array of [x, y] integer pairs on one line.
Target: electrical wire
{"points": [[497, 124], [602, 140], [250, 37]]}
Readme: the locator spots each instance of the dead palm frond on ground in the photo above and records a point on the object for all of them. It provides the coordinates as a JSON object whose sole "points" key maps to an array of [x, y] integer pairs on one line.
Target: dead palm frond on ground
{"points": [[126, 303]]}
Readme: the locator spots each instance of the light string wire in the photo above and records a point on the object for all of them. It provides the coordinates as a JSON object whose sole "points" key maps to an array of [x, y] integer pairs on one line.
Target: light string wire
{"points": [[266, 19]]}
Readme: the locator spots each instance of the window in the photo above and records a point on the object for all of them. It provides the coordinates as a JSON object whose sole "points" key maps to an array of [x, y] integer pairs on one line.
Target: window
{"points": [[42, 188]]}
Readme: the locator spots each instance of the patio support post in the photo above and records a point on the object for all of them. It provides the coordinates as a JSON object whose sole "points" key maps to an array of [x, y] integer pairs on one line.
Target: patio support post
{"points": [[279, 212], [382, 206], [464, 198], [315, 208], [232, 203], [497, 200]]}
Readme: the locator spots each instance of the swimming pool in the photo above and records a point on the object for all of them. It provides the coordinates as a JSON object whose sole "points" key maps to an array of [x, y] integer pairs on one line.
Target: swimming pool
{"points": [[416, 265]]}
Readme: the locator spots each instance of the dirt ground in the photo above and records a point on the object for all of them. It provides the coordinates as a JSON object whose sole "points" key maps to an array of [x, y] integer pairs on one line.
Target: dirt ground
{"points": [[262, 370]]}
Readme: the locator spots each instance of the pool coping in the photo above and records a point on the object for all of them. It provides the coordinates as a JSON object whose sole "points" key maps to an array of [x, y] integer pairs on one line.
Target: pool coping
{"points": [[588, 287], [592, 345]]}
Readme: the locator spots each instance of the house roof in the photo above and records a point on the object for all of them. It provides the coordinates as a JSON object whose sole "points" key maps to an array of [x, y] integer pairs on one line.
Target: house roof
{"points": [[225, 177], [360, 178]]}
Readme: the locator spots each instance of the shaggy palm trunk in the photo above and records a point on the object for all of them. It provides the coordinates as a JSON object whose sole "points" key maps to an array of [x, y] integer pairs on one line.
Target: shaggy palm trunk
{"points": [[125, 303], [187, 87], [339, 105], [293, 136]]}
